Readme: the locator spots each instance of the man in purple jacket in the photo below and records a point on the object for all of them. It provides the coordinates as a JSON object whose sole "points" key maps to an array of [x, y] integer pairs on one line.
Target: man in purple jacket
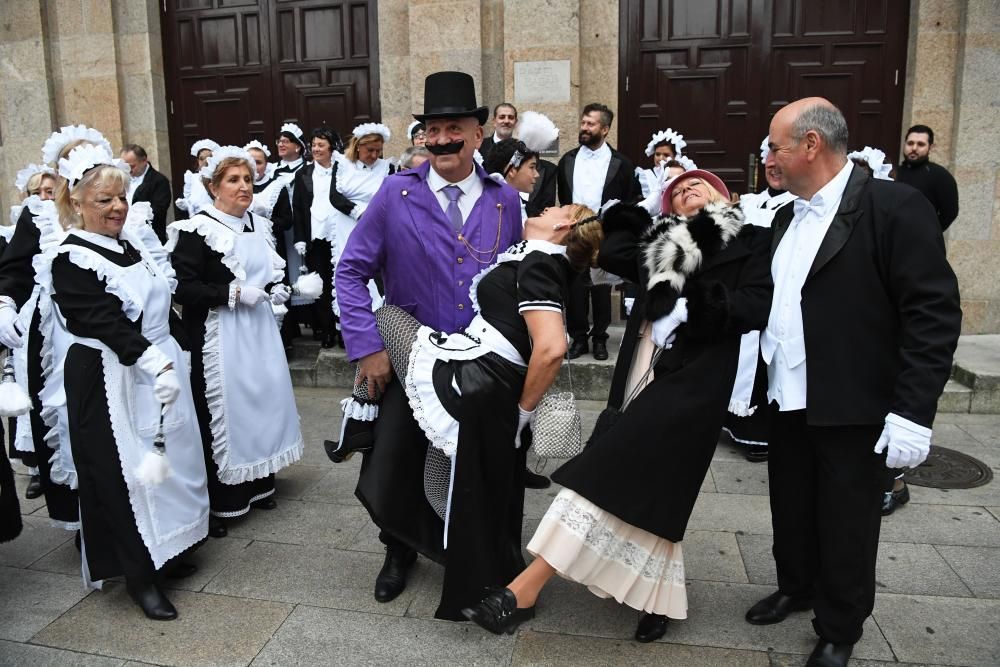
{"points": [[427, 232]]}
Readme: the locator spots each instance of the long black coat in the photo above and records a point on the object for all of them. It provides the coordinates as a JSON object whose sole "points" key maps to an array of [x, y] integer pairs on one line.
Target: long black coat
{"points": [[648, 467]]}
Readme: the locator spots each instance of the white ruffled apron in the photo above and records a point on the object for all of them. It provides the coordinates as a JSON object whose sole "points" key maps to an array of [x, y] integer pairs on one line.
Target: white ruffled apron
{"points": [[255, 424], [173, 515]]}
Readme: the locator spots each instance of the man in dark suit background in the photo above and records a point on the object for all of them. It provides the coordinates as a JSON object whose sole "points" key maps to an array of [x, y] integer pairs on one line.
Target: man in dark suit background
{"points": [[504, 120], [592, 174], [864, 321], [148, 185]]}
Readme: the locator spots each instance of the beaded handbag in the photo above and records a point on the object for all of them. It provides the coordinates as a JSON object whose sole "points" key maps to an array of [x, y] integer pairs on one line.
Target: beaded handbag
{"points": [[557, 432]]}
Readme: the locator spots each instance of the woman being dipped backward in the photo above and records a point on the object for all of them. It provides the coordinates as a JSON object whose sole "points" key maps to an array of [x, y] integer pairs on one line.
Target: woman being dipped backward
{"points": [[126, 383], [617, 525], [228, 275]]}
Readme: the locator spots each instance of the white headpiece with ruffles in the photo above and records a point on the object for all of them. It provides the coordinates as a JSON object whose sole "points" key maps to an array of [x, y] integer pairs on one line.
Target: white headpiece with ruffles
{"points": [[875, 160], [84, 158], [670, 135], [259, 146], [765, 150], [68, 134], [23, 176], [223, 152], [409, 128], [686, 162], [371, 128], [201, 145]]}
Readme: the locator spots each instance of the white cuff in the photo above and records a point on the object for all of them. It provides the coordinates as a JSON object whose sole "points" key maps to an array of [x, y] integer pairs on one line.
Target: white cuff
{"points": [[904, 423], [7, 301], [152, 361]]}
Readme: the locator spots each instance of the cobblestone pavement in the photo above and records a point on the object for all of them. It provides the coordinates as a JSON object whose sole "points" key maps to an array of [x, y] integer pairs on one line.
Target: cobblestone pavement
{"points": [[294, 586]]}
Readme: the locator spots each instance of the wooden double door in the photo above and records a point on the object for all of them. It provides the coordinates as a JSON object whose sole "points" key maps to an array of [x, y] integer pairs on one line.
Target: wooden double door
{"points": [[718, 70], [238, 69]]}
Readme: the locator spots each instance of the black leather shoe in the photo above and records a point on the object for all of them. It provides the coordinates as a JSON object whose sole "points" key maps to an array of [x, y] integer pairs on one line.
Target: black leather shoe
{"points": [[34, 489], [151, 600], [391, 579], [359, 436], [651, 627], [268, 503], [600, 350], [756, 453], [498, 612], [532, 480], [217, 527], [775, 608], [827, 654], [577, 349], [893, 499], [180, 570]]}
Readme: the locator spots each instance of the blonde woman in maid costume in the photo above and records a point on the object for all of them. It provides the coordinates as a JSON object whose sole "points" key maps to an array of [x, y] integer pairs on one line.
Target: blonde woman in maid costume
{"points": [[228, 277], [126, 384]]}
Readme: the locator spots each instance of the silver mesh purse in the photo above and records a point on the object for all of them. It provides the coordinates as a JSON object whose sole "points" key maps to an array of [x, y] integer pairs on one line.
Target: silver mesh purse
{"points": [[557, 432]]}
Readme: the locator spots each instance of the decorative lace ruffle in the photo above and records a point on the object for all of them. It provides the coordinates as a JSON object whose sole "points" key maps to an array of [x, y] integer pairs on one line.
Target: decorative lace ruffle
{"points": [[352, 409], [741, 408], [265, 200], [115, 282], [138, 227], [218, 237]]}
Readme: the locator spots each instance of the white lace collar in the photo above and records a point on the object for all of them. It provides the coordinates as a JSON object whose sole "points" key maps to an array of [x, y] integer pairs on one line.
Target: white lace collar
{"points": [[231, 221], [106, 242], [522, 248]]}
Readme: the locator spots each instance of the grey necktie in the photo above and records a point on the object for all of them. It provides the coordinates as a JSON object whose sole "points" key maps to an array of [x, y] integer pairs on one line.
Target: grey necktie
{"points": [[453, 192]]}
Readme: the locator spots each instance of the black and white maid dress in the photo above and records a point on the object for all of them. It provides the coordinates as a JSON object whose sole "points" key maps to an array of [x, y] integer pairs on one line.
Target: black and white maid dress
{"points": [[464, 389], [243, 390], [112, 302]]}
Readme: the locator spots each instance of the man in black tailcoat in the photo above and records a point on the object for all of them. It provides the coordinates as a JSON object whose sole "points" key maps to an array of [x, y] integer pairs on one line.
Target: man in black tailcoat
{"points": [[148, 185]]}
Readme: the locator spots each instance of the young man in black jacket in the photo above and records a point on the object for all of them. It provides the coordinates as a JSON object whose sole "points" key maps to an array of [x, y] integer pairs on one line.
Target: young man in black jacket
{"points": [[932, 180]]}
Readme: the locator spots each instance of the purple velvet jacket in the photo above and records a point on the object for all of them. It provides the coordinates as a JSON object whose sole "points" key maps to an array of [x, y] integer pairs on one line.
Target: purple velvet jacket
{"points": [[426, 269]]}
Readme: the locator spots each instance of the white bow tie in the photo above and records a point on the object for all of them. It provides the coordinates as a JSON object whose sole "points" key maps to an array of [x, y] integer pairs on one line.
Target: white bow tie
{"points": [[802, 208]]}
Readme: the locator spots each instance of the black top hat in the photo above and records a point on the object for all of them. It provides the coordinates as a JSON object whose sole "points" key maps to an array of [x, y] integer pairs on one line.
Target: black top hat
{"points": [[451, 95]]}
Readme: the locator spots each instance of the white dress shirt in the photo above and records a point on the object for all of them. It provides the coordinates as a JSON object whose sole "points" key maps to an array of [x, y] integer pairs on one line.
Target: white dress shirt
{"points": [[321, 211], [783, 344], [589, 173], [136, 181], [471, 186]]}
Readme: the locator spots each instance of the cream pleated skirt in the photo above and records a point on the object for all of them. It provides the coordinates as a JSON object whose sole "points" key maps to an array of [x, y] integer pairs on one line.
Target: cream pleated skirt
{"points": [[612, 558]]}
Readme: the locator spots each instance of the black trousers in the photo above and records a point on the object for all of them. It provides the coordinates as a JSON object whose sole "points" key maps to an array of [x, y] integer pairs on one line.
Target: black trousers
{"points": [[826, 489], [582, 293], [318, 260]]}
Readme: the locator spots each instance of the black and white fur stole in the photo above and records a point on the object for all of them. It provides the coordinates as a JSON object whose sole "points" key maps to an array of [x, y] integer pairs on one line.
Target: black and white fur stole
{"points": [[676, 246]]}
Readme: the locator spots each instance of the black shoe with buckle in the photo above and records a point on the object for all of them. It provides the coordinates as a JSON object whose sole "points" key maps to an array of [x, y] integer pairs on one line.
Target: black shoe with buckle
{"points": [[532, 480], [651, 627], [828, 654], [600, 350], [34, 489], [391, 579], [775, 608], [577, 349], [359, 436], [498, 612], [893, 499]]}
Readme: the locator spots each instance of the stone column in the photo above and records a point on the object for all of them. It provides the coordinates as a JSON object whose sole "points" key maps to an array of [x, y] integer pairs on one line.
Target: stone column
{"points": [[394, 71], [599, 58]]}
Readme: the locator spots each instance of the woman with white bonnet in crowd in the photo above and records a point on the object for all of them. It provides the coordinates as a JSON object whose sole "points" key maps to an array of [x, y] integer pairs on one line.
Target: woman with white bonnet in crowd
{"points": [[195, 196], [131, 419], [515, 161], [663, 147], [228, 277]]}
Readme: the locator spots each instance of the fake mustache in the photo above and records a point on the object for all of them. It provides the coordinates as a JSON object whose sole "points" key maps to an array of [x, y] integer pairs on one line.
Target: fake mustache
{"points": [[446, 149]]}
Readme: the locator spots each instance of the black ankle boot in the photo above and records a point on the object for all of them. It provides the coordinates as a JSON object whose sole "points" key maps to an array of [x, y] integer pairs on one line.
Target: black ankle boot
{"points": [[359, 436], [151, 600]]}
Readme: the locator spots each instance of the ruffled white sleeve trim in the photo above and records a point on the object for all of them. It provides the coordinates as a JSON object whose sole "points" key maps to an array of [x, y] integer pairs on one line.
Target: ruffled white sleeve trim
{"points": [[265, 200], [218, 237], [138, 230], [112, 275]]}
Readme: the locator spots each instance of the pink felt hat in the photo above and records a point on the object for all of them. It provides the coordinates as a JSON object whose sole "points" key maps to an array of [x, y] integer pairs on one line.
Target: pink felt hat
{"points": [[706, 176]]}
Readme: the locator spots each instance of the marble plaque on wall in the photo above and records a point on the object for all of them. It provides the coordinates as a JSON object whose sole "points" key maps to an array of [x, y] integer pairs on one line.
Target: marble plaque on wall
{"points": [[541, 81]]}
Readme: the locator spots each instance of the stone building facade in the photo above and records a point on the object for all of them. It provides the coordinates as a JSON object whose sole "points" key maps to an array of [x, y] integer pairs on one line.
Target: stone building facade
{"points": [[100, 62]]}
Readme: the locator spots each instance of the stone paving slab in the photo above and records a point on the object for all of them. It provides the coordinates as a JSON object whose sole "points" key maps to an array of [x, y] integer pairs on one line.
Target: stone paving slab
{"points": [[544, 648], [979, 568], [944, 631], [711, 555], [37, 538], [720, 511], [30, 600], [944, 524], [211, 558], [335, 486], [312, 636], [298, 522], [21, 483], [740, 477], [210, 629], [297, 480], [27, 655]]}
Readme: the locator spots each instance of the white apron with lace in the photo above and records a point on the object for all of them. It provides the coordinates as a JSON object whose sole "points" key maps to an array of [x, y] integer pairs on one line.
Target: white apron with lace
{"points": [[173, 515], [255, 424]]}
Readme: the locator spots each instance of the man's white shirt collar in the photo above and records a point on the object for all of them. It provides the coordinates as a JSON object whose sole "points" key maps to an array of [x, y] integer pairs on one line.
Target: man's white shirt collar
{"points": [[827, 196], [604, 152], [437, 182]]}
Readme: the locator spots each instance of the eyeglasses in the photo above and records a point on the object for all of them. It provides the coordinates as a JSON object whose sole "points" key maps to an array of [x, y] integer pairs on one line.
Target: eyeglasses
{"points": [[282, 141]]}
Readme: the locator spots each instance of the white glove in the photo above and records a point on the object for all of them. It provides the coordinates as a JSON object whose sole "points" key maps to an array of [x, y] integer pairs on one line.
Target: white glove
{"points": [[167, 387], [524, 418], [908, 443], [653, 203], [251, 296], [152, 362], [9, 335], [280, 293], [300, 247], [664, 328]]}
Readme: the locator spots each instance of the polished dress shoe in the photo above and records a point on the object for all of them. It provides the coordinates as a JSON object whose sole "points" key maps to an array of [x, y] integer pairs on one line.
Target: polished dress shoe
{"points": [[268, 503], [391, 579], [577, 349], [756, 453], [532, 480], [359, 436], [600, 350], [217, 527], [34, 489], [151, 600], [179, 570], [893, 499], [827, 654], [651, 627], [498, 612], [775, 608]]}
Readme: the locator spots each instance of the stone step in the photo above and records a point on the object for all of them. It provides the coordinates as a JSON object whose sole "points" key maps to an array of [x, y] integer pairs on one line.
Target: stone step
{"points": [[977, 366]]}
